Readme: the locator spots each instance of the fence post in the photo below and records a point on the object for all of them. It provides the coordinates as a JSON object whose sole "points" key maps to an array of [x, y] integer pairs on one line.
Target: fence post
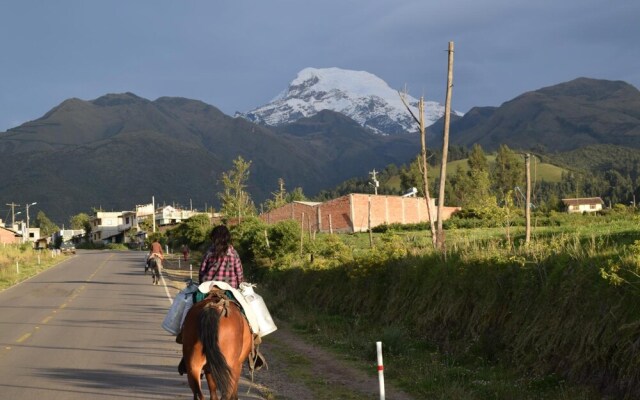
{"points": [[380, 369]]}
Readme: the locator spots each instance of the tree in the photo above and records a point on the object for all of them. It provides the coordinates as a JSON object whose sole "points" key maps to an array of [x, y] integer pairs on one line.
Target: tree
{"points": [[192, 232], [477, 194], [296, 195], [236, 202], [47, 227], [81, 221], [279, 197], [508, 172]]}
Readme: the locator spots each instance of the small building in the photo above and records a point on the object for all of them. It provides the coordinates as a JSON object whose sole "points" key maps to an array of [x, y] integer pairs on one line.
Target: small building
{"points": [[169, 215], [584, 204], [104, 226], [350, 213], [9, 236]]}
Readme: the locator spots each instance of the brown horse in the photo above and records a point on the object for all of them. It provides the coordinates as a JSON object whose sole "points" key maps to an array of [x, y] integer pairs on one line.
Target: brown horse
{"points": [[216, 337]]}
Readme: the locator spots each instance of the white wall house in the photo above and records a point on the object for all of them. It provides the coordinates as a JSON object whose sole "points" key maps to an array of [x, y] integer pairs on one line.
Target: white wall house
{"points": [[105, 226], [584, 204], [169, 215]]}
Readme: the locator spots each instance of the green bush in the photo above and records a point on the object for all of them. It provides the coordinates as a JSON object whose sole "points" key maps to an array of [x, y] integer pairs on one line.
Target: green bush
{"points": [[194, 232], [249, 238], [284, 238], [327, 250]]}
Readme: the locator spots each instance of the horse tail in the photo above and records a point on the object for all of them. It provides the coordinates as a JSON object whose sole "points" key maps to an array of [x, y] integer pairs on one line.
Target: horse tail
{"points": [[209, 324]]}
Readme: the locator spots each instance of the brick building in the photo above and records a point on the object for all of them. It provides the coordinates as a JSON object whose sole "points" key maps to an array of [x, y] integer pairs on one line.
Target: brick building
{"points": [[350, 213], [9, 236]]}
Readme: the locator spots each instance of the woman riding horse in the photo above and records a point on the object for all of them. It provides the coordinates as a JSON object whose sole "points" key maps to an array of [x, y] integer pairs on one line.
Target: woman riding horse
{"points": [[224, 341]]}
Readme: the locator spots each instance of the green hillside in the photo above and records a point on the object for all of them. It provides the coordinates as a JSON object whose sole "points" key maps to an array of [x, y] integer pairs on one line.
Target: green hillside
{"points": [[540, 171]]}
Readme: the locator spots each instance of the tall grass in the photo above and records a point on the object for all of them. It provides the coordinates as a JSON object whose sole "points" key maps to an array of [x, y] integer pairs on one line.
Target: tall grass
{"points": [[19, 262], [526, 318]]}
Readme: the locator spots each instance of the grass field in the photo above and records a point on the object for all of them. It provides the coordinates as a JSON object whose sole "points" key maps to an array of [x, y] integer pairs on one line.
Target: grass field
{"points": [[495, 319]]}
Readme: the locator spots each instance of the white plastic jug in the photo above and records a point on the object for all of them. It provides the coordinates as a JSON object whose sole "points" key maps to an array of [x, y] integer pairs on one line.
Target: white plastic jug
{"points": [[173, 320], [265, 322]]}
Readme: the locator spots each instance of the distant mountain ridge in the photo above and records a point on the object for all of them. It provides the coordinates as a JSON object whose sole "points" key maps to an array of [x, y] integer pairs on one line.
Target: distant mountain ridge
{"points": [[120, 149], [562, 117], [360, 95]]}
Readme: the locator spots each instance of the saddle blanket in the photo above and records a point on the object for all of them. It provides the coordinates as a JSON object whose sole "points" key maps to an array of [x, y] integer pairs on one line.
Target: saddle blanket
{"points": [[206, 287]]}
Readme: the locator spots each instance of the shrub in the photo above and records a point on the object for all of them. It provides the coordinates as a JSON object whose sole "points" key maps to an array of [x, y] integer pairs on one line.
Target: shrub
{"points": [[249, 238], [284, 238]]}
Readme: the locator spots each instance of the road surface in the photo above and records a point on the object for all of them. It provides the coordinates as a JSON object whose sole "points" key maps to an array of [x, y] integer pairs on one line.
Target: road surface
{"points": [[90, 328]]}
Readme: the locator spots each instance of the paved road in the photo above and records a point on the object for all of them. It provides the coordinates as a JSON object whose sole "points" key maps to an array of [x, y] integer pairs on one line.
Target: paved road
{"points": [[90, 328]]}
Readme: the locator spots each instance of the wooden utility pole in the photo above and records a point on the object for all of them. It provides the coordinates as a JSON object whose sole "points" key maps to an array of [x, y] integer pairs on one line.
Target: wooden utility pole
{"points": [[423, 153], [153, 212], [13, 213], [445, 149], [423, 165], [527, 210]]}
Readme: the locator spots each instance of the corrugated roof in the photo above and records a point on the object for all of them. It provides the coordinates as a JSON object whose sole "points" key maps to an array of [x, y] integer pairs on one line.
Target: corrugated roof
{"points": [[583, 201], [309, 203]]}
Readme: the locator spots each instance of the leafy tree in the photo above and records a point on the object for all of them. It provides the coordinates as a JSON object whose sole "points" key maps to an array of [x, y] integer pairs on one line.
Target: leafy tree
{"points": [[477, 159], [146, 224], [296, 195], [618, 187], [279, 197], [236, 201], [81, 221], [477, 191], [508, 172], [459, 184], [411, 176], [193, 232], [47, 227]]}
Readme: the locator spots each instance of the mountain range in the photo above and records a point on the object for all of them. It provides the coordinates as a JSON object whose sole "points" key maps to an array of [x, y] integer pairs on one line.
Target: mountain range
{"points": [[121, 149]]}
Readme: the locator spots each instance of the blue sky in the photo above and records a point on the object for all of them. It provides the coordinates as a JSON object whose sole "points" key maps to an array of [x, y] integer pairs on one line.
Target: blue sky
{"points": [[239, 54]]}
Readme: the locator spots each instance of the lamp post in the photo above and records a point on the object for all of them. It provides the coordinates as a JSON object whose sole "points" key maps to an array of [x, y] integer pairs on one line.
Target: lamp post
{"points": [[13, 222], [26, 236]]}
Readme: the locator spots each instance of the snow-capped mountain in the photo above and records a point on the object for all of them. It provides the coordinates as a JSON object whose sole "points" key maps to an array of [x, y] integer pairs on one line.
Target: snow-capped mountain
{"points": [[359, 95]]}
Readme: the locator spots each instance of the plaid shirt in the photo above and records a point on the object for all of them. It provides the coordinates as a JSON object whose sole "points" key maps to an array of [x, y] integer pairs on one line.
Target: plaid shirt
{"points": [[227, 269]]}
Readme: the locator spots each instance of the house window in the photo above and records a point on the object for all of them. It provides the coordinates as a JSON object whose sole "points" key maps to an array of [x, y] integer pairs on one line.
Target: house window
{"points": [[593, 206]]}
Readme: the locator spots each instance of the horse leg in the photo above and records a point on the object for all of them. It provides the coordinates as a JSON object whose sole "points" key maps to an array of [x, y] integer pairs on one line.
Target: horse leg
{"points": [[193, 377], [235, 374], [213, 393]]}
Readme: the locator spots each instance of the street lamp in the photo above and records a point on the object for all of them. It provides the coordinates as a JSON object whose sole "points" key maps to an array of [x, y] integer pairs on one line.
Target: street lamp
{"points": [[26, 236]]}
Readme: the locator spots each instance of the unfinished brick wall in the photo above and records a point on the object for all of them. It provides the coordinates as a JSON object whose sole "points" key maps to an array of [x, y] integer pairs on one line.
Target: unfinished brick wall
{"points": [[335, 215], [388, 210], [293, 211], [350, 213]]}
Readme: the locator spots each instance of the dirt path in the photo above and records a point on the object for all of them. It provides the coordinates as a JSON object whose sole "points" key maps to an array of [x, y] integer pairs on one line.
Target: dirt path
{"points": [[300, 370]]}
